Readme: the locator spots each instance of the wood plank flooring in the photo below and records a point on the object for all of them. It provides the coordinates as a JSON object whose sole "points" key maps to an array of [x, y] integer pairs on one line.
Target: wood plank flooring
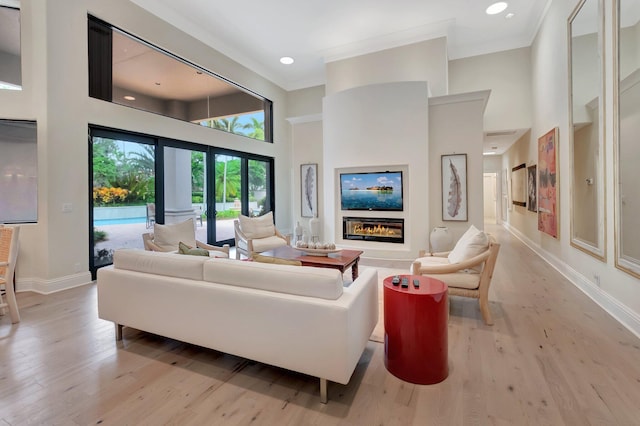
{"points": [[552, 357]]}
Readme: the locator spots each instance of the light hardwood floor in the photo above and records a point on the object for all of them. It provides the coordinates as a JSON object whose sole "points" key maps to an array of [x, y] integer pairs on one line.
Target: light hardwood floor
{"points": [[552, 357]]}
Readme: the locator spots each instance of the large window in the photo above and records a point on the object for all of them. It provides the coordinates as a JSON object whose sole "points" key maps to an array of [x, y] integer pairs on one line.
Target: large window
{"points": [[18, 172], [10, 70], [128, 71]]}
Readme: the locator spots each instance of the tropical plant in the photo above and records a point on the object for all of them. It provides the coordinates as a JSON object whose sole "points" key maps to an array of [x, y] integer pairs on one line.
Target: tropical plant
{"points": [[256, 128], [140, 188], [227, 179], [99, 236], [144, 161], [107, 157], [257, 176], [197, 171], [109, 195]]}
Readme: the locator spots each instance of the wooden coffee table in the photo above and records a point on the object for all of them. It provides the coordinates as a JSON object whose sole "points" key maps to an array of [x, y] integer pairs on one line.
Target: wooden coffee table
{"points": [[341, 260]]}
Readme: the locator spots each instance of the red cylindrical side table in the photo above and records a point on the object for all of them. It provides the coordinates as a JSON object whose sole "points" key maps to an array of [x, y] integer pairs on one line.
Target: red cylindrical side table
{"points": [[415, 330]]}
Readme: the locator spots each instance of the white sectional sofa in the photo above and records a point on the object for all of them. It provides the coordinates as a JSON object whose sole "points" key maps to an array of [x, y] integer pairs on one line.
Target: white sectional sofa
{"points": [[294, 317]]}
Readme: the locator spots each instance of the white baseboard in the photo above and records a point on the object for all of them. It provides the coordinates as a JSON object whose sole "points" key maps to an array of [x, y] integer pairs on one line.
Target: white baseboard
{"points": [[622, 313], [41, 286]]}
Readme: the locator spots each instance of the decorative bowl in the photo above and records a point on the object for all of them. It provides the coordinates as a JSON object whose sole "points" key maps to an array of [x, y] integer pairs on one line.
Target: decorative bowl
{"points": [[318, 252]]}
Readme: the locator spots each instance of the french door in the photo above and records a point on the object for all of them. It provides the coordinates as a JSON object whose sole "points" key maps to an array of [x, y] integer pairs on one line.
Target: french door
{"points": [[139, 180]]}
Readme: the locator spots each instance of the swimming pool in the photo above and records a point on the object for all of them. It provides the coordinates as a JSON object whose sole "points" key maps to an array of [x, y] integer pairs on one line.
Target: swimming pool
{"points": [[122, 221]]}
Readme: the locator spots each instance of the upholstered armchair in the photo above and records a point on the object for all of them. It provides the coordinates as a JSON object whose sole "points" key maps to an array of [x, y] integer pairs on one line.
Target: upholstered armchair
{"points": [[257, 234], [467, 269], [9, 245], [167, 238]]}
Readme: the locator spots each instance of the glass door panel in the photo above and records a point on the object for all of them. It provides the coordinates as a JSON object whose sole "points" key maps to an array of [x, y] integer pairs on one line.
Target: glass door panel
{"points": [[259, 183], [123, 175], [228, 195], [184, 188]]}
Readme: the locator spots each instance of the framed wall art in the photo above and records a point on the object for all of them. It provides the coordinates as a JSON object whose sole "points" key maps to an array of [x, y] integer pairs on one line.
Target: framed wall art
{"points": [[454, 187], [548, 183], [309, 189], [519, 185], [532, 189]]}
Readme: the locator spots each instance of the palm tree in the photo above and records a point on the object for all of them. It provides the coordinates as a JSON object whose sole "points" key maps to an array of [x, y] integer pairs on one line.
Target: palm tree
{"points": [[227, 178], [257, 129], [144, 161], [228, 125]]}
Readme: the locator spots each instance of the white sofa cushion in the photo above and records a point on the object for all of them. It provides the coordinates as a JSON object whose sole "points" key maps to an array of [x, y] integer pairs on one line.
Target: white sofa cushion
{"points": [[257, 227], [167, 237], [153, 262], [300, 280], [472, 243]]}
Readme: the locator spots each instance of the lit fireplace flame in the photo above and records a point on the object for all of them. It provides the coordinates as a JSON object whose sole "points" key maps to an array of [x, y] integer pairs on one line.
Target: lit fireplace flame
{"points": [[373, 230]]}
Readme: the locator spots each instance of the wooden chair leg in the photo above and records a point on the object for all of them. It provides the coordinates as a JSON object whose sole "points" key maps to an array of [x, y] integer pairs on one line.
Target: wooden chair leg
{"points": [[486, 312]]}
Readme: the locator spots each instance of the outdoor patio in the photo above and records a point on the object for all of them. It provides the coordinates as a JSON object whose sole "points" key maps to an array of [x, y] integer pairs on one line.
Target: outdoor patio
{"points": [[130, 235]]}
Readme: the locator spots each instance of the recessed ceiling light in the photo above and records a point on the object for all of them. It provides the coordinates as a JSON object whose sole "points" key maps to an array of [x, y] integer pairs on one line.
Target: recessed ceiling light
{"points": [[496, 8], [286, 60], [509, 15], [130, 98]]}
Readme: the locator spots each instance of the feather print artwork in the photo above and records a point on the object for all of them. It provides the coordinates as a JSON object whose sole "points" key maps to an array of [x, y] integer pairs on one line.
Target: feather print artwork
{"points": [[455, 189], [308, 188]]}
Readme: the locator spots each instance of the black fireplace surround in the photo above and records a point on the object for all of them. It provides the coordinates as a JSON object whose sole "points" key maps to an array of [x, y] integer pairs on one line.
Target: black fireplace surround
{"points": [[383, 230]]}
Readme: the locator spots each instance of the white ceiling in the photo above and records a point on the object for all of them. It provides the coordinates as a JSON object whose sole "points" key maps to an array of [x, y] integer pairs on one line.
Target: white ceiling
{"points": [[257, 33]]}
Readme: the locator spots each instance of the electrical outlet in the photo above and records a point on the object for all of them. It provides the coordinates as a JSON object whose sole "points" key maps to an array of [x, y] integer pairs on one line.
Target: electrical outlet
{"points": [[596, 279]]}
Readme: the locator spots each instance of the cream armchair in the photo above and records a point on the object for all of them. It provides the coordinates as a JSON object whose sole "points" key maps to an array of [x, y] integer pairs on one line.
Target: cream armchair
{"points": [[467, 269], [257, 234], [166, 238]]}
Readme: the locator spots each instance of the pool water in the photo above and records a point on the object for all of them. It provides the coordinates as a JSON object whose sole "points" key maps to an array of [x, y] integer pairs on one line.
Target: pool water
{"points": [[122, 221]]}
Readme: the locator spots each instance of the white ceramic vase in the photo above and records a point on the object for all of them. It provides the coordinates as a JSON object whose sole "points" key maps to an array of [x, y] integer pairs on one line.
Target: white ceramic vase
{"points": [[440, 239], [298, 232], [314, 226]]}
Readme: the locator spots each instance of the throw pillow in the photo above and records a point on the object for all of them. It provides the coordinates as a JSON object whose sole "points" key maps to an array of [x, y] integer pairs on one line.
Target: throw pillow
{"points": [[276, 260], [185, 249], [471, 244], [167, 237], [258, 227]]}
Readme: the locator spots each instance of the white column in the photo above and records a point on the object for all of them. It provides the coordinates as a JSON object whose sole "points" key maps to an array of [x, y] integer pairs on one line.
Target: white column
{"points": [[177, 185]]}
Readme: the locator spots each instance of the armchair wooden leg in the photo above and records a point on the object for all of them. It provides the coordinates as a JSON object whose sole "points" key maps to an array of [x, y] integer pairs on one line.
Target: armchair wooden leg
{"points": [[486, 312]]}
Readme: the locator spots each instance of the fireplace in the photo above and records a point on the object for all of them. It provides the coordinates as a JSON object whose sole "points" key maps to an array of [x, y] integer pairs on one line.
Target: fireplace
{"points": [[383, 230]]}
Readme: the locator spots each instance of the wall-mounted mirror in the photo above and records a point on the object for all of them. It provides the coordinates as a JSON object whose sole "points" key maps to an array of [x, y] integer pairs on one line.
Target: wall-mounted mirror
{"points": [[10, 55], [627, 123], [586, 116]]}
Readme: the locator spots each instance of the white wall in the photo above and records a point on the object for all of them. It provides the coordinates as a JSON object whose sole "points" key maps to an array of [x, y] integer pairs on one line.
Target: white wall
{"points": [[455, 127], [379, 127], [306, 136], [423, 61], [617, 291], [508, 75], [419, 132], [54, 252]]}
